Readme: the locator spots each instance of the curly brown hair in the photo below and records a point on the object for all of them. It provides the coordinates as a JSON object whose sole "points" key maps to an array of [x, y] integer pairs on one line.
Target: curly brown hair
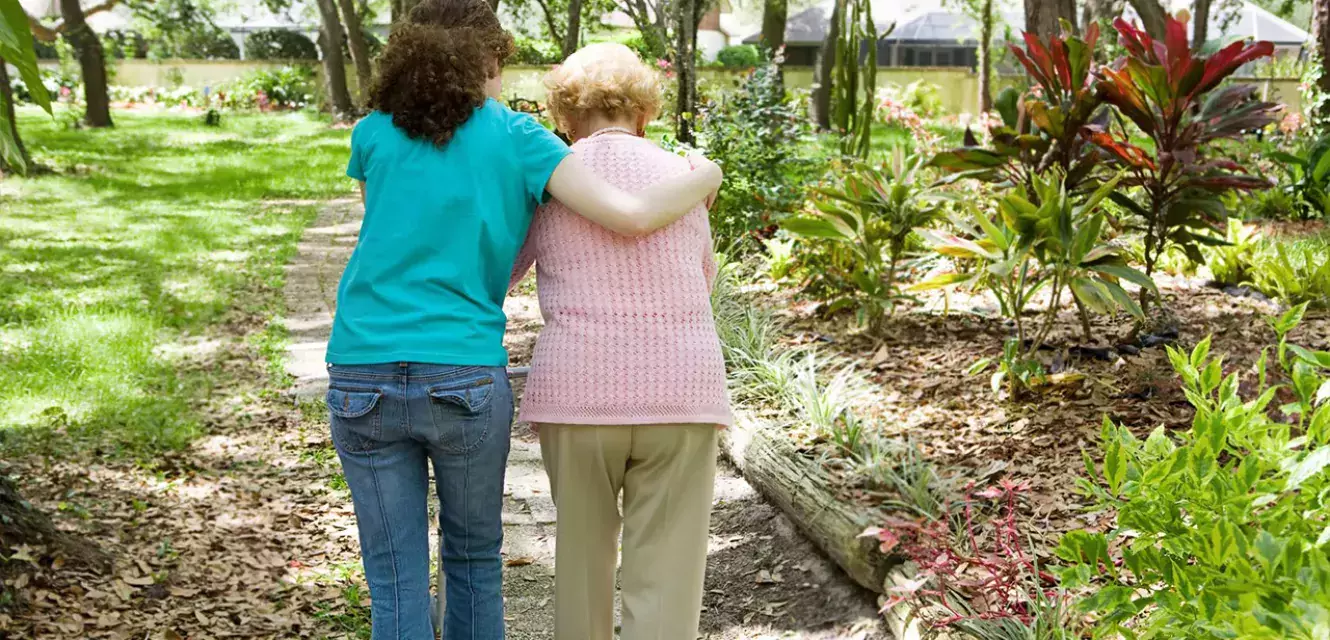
{"points": [[432, 74]]}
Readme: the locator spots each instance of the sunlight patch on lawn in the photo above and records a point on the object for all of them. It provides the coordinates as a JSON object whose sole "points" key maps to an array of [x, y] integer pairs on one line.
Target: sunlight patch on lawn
{"points": [[116, 267]]}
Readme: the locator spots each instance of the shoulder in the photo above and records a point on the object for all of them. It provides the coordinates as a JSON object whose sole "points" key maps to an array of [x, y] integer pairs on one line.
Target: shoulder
{"points": [[373, 127], [640, 149], [496, 113]]}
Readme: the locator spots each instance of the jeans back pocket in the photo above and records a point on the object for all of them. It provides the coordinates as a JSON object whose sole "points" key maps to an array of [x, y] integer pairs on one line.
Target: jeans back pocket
{"points": [[355, 417], [461, 410]]}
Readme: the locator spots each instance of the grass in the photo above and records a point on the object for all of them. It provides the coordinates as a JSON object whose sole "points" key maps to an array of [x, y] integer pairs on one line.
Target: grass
{"points": [[136, 246]]}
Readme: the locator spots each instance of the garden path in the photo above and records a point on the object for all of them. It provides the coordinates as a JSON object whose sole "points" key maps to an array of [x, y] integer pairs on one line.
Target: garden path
{"points": [[764, 580]]}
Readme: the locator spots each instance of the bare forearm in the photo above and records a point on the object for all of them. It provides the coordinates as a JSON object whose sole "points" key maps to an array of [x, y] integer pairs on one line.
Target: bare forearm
{"points": [[632, 214]]}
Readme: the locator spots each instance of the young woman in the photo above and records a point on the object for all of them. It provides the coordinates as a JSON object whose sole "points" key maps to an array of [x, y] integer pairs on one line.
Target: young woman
{"points": [[627, 385], [450, 180]]}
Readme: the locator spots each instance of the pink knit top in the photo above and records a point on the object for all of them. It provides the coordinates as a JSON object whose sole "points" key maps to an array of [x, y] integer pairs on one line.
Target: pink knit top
{"points": [[628, 338]]}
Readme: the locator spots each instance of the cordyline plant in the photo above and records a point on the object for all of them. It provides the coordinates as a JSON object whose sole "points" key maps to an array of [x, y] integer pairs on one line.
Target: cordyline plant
{"points": [[1047, 128], [981, 590], [1172, 95]]}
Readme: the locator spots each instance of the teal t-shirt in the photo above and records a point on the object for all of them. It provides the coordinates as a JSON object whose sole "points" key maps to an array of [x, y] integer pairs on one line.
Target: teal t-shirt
{"points": [[442, 228]]}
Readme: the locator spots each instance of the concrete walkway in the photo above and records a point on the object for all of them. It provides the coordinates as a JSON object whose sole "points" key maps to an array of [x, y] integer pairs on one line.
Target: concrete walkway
{"points": [[763, 579]]}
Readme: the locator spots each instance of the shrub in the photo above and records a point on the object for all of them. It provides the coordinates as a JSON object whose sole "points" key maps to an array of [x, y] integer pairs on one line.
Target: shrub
{"points": [[534, 51], [200, 44], [280, 44], [1172, 94], [1220, 528], [124, 44], [1295, 272], [754, 134], [1044, 129], [872, 211], [920, 97], [1056, 245], [1308, 176], [284, 88], [742, 56], [1232, 263]]}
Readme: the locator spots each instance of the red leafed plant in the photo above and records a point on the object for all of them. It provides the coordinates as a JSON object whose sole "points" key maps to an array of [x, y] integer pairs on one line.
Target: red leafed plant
{"points": [[1044, 128], [1173, 96], [969, 586]]}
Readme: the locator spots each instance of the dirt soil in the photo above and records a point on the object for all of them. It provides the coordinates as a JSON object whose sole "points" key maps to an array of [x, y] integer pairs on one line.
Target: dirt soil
{"points": [[921, 390]]}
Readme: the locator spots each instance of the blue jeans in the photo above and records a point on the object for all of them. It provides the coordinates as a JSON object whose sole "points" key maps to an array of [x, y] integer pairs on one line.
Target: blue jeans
{"points": [[389, 421]]}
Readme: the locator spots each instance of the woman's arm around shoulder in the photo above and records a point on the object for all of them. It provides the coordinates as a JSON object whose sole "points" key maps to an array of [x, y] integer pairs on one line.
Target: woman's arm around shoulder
{"points": [[632, 214]]}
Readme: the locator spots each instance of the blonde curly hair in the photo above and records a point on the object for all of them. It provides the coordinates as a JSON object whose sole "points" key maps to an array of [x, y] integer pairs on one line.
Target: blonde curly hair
{"points": [[607, 78]]}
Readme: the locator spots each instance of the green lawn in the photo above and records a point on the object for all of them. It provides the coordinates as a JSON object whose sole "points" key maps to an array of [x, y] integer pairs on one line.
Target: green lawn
{"points": [[138, 244]]}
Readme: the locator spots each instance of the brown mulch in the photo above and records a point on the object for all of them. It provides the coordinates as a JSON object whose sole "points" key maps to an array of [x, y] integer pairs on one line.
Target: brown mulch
{"points": [[922, 392]]}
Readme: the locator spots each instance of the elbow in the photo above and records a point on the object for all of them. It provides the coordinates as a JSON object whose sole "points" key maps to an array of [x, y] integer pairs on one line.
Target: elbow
{"points": [[637, 223]]}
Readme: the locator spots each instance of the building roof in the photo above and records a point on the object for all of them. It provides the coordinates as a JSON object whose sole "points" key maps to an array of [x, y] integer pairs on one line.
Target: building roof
{"points": [[946, 26], [930, 21]]}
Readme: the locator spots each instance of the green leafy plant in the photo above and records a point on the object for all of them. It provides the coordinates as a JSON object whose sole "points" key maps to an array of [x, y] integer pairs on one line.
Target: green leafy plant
{"points": [[16, 49], [1309, 178], [920, 97], [873, 211], [741, 56], [1044, 129], [778, 258], [534, 51], [1295, 272], [754, 134], [1233, 262], [279, 44], [1056, 244], [284, 88], [1173, 96], [1221, 528]]}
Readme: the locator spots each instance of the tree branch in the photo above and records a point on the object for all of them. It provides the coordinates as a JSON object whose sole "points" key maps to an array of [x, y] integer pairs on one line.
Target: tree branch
{"points": [[550, 23], [49, 33]]}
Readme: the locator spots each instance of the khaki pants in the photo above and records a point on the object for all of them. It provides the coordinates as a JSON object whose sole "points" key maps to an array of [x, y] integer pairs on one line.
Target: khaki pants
{"points": [[667, 474]]}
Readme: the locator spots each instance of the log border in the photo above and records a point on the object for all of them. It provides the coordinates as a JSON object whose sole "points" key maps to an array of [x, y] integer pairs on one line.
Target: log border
{"points": [[801, 488]]}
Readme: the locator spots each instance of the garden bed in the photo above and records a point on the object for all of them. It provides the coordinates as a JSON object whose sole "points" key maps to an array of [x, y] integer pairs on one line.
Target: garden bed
{"points": [[912, 387]]}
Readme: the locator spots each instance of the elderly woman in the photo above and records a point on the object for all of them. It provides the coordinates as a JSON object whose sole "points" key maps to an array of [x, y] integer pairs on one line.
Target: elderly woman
{"points": [[627, 386]]}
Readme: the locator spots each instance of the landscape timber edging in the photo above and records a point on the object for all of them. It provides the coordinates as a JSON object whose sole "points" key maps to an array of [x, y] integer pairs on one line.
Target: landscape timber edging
{"points": [[802, 490]]}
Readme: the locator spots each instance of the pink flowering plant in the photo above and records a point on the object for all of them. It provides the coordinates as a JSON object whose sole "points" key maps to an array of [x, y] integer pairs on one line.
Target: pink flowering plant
{"points": [[977, 578]]}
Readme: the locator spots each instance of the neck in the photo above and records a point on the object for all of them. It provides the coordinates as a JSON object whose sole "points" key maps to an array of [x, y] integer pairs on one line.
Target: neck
{"points": [[597, 122]]}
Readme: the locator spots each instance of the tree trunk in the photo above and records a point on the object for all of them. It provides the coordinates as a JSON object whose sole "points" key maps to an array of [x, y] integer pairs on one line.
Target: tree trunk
{"points": [[823, 75], [685, 31], [400, 9], [775, 13], [1200, 15], [1321, 28], [359, 50], [654, 35], [92, 63], [494, 5], [573, 36], [23, 525], [803, 490], [7, 95], [1152, 16], [986, 57], [1042, 16], [334, 66]]}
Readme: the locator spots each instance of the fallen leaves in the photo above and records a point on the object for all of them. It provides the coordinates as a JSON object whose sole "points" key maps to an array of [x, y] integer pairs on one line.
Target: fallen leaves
{"points": [[923, 393], [241, 535]]}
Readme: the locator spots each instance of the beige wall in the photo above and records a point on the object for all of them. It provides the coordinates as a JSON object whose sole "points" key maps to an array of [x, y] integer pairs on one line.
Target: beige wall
{"points": [[959, 88]]}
